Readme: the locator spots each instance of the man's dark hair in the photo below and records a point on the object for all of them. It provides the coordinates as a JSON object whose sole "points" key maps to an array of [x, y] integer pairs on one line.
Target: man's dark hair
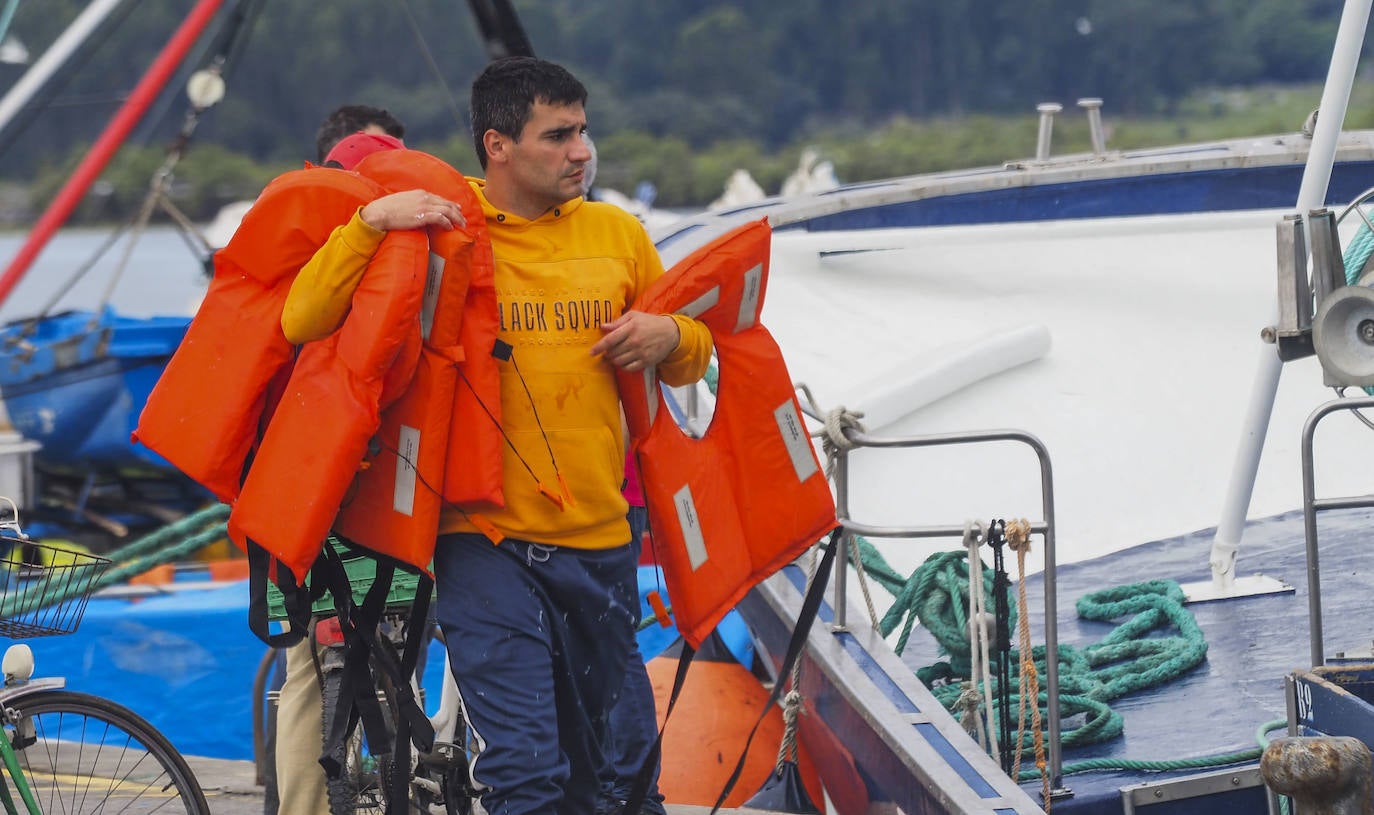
{"points": [[349, 119], [504, 94]]}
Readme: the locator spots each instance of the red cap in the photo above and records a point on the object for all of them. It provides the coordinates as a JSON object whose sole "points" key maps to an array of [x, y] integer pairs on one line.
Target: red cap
{"points": [[353, 149]]}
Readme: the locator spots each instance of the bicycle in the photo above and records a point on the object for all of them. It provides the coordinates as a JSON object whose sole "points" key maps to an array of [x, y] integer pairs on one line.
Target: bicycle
{"points": [[436, 782], [65, 751]]}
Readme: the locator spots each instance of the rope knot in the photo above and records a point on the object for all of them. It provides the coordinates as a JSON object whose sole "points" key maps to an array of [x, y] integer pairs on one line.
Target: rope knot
{"points": [[967, 708], [787, 751], [836, 422], [1018, 535]]}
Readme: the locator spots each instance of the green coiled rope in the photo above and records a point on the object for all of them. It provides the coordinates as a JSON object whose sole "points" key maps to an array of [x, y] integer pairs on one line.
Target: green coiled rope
{"points": [[169, 543], [1155, 640]]}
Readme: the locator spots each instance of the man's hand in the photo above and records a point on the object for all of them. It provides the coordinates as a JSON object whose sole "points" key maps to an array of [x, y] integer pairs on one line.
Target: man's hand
{"points": [[636, 340], [413, 209]]}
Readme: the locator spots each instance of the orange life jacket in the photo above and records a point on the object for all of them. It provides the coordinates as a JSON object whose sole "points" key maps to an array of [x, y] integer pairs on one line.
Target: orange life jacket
{"points": [[394, 505], [734, 506], [354, 399], [330, 407], [205, 413]]}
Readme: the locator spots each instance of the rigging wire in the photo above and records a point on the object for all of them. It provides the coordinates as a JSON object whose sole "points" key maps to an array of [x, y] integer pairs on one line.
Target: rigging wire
{"points": [[59, 82], [433, 65], [6, 17]]}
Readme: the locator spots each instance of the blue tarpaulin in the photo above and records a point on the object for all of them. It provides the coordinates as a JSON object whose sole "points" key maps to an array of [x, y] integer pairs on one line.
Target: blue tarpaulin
{"points": [[186, 661]]}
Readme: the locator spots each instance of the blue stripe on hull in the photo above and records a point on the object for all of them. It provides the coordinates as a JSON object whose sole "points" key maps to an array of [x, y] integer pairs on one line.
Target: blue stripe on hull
{"points": [[1227, 190]]}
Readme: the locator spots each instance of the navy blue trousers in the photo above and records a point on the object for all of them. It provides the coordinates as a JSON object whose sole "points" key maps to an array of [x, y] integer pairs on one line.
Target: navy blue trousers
{"points": [[538, 640], [634, 722]]}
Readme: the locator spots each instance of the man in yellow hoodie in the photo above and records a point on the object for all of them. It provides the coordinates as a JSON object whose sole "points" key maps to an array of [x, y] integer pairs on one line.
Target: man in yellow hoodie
{"points": [[539, 615]]}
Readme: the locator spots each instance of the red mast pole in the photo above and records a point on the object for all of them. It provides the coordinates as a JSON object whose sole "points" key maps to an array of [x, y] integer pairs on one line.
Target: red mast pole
{"points": [[143, 95]]}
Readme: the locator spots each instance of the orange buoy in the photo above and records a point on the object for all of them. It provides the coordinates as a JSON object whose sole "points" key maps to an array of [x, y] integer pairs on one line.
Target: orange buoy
{"points": [[719, 704]]}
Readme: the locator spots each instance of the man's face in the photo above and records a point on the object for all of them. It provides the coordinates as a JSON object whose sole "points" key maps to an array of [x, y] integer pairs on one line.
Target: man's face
{"points": [[549, 161]]}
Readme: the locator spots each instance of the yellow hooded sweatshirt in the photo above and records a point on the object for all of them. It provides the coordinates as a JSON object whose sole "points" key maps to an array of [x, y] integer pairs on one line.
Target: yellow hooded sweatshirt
{"points": [[558, 278]]}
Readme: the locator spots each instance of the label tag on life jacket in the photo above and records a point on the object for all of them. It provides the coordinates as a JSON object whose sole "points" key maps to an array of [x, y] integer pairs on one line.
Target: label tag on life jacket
{"points": [[691, 526], [796, 441], [749, 300], [434, 278], [407, 451], [700, 305]]}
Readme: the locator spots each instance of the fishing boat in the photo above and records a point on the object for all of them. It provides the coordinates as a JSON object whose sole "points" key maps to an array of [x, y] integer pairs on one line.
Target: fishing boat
{"points": [[1117, 397], [1122, 364]]}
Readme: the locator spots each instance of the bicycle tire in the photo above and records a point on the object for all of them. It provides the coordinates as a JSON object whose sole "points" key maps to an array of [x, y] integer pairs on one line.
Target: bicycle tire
{"points": [[362, 784], [86, 754]]}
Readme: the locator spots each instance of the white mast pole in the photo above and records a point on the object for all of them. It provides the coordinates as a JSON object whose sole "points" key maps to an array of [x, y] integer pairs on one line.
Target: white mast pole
{"points": [[54, 58], [1340, 78]]}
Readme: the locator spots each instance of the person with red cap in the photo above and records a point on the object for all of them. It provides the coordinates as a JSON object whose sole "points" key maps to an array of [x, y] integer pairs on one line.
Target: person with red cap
{"points": [[352, 149], [346, 120], [347, 135]]}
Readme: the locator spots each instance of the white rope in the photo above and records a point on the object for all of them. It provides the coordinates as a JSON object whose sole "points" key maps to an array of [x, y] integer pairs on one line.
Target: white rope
{"points": [[791, 706], [980, 667], [834, 439], [792, 701], [857, 560]]}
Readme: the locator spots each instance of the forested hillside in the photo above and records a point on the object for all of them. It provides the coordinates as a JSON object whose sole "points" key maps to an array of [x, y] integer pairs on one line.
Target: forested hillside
{"points": [[744, 78]]}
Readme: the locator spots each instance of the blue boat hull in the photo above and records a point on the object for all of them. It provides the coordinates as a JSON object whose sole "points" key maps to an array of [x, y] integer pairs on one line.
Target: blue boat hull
{"points": [[1225, 190], [77, 381]]}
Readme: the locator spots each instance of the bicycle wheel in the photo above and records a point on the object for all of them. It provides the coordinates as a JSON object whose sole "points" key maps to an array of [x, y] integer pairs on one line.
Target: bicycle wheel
{"points": [[84, 754], [362, 784]]}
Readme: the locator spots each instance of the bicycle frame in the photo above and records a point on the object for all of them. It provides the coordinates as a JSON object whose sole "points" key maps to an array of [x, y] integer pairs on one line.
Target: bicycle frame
{"points": [[7, 755]]}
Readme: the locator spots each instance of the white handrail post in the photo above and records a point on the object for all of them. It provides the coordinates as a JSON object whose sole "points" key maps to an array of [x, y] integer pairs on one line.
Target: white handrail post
{"points": [[1340, 78]]}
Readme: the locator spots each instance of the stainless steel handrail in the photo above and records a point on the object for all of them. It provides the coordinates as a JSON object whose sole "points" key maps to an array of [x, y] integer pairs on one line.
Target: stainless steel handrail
{"points": [[1310, 506], [1045, 528]]}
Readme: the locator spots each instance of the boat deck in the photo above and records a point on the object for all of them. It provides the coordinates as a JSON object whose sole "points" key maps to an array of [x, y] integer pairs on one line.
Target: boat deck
{"points": [[1253, 643]]}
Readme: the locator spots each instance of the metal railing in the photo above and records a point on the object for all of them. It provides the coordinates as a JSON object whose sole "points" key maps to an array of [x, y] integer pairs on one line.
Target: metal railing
{"points": [[1311, 505], [1045, 528]]}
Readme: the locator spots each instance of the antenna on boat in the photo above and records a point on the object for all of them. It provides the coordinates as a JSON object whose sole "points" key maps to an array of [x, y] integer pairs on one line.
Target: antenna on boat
{"points": [[1311, 196]]}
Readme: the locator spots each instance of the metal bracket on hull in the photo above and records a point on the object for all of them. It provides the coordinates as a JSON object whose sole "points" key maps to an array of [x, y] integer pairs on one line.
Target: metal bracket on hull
{"points": [[1205, 786]]}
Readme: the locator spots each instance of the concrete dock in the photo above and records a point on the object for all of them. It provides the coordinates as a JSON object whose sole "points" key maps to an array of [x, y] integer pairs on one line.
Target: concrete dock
{"points": [[231, 788]]}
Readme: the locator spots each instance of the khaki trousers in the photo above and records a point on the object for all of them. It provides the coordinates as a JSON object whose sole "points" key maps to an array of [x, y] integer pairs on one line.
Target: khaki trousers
{"points": [[300, 778]]}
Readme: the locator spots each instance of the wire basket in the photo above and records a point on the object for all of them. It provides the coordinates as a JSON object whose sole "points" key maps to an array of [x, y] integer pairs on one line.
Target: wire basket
{"points": [[44, 588]]}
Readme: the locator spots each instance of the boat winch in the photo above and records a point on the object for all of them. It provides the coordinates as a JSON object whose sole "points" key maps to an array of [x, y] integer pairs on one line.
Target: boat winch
{"points": [[1329, 311]]}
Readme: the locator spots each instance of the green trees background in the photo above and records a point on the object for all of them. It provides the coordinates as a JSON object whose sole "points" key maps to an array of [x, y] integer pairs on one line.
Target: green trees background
{"points": [[685, 91]]}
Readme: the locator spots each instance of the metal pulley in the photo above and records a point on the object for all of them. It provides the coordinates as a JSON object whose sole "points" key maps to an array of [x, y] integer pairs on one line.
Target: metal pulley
{"points": [[1343, 333], [205, 88]]}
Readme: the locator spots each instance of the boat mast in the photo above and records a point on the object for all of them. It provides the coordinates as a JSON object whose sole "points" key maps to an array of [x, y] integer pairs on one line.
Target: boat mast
{"points": [[123, 122], [1340, 78], [500, 27], [54, 58]]}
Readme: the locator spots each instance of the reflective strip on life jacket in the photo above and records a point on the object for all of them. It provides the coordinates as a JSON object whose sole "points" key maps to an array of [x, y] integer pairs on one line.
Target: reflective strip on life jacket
{"points": [[437, 443], [205, 412], [329, 410], [734, 506]]}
